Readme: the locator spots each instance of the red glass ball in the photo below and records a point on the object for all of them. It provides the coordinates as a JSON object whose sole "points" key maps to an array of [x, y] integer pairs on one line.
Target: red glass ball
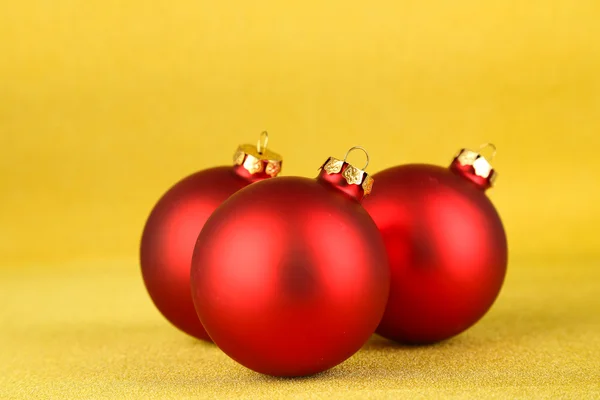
{"points": [[447, 250], [170, 235], [290, 276]]}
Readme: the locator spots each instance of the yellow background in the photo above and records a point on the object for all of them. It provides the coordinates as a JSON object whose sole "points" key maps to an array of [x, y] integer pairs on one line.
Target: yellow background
{"points": [[105, 104]]}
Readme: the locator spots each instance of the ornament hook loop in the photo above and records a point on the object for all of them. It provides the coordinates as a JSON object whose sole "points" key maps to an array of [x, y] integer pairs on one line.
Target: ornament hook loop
{"points": [[494, 150], [358, 148], [263, 141]]}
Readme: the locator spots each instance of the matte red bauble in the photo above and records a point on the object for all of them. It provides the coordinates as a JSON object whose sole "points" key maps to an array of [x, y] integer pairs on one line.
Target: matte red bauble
{"points": [[175, 222], [289, 275], [446, 246]]}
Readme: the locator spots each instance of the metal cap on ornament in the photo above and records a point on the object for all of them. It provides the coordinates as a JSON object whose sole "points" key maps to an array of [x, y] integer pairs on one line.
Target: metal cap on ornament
{"points": [[353, 181], [257, 162], [475, 167]]}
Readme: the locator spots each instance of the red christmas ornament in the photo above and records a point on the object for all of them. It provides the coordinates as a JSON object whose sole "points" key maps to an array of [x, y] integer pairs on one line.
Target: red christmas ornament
{"points": [[173, 226], [446, 246], [289, 275]]}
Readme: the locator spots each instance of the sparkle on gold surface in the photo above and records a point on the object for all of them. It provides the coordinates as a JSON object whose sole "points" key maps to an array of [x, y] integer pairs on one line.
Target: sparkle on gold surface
{"points": [[238, 157], [333, 166], [367, 185], [273, 168], [353, 175], [467, 157], [482, 167], [252, 164], [89, 331]]}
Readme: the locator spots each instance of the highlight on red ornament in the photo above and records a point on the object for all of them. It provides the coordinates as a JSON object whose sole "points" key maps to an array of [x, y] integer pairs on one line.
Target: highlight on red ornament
{"points": [[446, 246], [290, 275], [170, 233]]}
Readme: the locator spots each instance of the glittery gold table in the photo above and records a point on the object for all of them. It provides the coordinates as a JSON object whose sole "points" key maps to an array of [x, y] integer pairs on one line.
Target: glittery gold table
{"points": [[91, 333]]}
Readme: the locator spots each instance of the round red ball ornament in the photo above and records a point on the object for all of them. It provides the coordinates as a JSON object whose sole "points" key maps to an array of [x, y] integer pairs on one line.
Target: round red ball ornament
{"points": [[445, 243], [289, 275], [175, 222]]}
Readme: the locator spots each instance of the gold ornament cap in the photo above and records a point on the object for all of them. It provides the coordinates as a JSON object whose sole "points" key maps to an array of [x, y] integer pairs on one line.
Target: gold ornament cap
{"points": [[346, 177], [475, 167], [258, 161]]}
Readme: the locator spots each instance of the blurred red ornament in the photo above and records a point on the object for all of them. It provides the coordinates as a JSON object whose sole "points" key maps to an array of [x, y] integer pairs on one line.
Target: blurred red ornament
{"points": [[175, 222], [290, 275], [446, 246]]}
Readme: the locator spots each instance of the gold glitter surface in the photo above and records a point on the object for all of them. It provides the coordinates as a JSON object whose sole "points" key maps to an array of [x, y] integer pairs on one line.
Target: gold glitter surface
{"points": [[90, 333]]}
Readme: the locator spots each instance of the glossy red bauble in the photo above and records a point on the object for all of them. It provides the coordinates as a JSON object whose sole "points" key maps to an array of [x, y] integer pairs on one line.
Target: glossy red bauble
{"points": [[290, 275], [172, 229], [446, 246]]}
